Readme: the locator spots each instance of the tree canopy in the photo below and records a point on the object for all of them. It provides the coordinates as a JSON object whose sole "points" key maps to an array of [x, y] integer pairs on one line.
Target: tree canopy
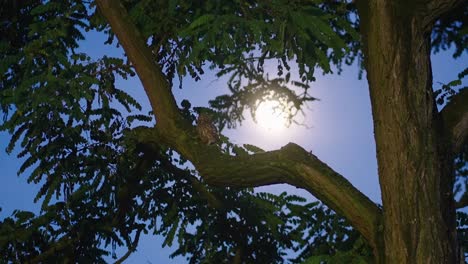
{"points": [[110, 170]]}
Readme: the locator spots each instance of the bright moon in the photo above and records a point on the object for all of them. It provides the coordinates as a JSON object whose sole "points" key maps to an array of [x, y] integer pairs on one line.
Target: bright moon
{"points": [[270, 116]]}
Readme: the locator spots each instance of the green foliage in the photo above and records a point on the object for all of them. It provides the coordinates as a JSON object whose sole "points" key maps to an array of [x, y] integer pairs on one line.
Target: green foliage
{"points": [[258, 89], [451, 31], [444, 94], [58, 235], [332, 240], [102, 185], [462, 228], [241, 38]]}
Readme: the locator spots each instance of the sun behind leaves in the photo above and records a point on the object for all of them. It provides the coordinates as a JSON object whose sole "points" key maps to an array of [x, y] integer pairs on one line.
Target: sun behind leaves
{"points": [[107, 175]]}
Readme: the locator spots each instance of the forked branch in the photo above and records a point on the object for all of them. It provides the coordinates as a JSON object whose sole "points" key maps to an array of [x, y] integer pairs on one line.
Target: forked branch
{"points": [[291, 164]]}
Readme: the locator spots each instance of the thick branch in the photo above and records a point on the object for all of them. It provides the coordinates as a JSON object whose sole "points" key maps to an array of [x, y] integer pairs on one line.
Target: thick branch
{"points": [[238, 256], [463, 202], [426, 11], [436, 8], [291, 164], [154, 82], [455, 115]]}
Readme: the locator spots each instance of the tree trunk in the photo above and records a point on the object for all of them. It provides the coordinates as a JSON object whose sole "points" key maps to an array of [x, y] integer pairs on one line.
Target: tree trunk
{"points": [[413, 154]]}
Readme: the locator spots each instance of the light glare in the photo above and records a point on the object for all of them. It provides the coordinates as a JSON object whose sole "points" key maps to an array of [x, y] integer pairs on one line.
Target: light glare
{"points": [[269, 116]]}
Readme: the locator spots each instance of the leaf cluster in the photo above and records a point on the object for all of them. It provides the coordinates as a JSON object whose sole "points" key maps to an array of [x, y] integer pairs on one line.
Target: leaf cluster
{"points": [[451, 30], [443, 96], [242, 39], [101, 187]]}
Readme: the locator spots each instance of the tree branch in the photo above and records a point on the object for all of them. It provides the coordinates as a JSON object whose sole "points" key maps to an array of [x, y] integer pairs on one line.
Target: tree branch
{"points": [[463, 202], [238, 256], [436, 8], [131, 249], [58, 246], [291, 164], [455, 116], [154, 150], [154, 82]]}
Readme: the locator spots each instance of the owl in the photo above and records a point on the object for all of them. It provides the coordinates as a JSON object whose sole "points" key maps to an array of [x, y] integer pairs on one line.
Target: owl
{"points": [[206, 130]]}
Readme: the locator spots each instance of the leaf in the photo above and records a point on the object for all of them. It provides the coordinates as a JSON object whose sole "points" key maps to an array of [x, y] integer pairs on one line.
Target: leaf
{"points": [[170, 235], [201, 21], [126, 100], [142, 118], [463, 73], [23, 216], [454, 83]]}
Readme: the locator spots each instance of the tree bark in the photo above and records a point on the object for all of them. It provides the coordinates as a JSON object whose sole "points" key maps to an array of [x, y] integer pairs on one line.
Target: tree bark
{"points": [[291, 164], [413, 151]]}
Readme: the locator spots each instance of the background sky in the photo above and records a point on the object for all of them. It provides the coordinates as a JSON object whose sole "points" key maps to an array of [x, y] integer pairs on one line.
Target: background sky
{"points": [[339, 132]]}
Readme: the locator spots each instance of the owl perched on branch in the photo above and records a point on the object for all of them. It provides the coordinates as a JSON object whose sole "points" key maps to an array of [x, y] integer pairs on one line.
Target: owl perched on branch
{"points": [[206, 130]]}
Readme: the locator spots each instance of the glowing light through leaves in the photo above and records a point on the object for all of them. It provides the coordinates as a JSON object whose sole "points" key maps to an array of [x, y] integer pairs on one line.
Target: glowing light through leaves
{"points": [[270, 116]]}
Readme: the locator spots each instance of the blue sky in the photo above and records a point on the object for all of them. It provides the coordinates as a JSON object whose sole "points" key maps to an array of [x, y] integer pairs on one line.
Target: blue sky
{"points": [[340, 133]]}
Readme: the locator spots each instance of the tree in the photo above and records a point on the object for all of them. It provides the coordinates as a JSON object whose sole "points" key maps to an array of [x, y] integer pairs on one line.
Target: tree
{"points": [[114, 177]]}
